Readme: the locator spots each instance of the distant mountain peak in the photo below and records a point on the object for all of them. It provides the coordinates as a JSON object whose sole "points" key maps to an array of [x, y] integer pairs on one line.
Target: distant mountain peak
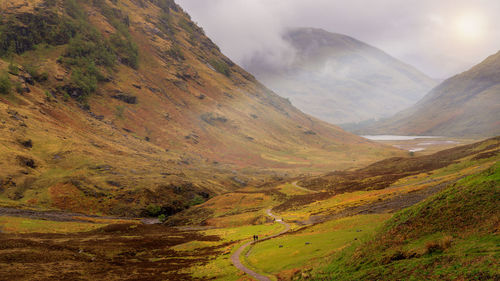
{"points": [[467, 104], [340, 79]]}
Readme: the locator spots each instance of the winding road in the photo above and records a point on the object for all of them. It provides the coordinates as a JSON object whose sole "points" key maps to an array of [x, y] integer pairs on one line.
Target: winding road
{"points": [[235, 258]]}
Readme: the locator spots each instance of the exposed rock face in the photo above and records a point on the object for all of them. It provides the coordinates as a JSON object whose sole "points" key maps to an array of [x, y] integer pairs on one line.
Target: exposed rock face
{"points": [[125, 98]]}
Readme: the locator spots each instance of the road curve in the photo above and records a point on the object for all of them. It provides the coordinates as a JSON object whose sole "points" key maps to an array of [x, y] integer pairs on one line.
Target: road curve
{"points": [[235, 258], [295, 183]]}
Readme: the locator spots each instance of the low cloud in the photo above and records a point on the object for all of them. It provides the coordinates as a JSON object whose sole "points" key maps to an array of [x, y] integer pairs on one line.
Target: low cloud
{"points": [[423, 33]]}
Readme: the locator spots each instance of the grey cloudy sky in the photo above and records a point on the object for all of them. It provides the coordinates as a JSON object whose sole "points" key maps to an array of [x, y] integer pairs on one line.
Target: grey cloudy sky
{"points": [[439, 37]]}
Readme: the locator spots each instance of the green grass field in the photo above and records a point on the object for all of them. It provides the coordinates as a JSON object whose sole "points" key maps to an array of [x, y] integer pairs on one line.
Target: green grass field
{"points": [[310, 244]]}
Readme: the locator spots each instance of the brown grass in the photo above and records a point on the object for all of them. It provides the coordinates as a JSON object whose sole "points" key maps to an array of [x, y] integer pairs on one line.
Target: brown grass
{"points": [[439, 246]]}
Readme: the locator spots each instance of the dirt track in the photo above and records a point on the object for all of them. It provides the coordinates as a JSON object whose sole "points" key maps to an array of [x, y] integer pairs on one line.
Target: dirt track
{"points": [[235, 258], [295, 184]]}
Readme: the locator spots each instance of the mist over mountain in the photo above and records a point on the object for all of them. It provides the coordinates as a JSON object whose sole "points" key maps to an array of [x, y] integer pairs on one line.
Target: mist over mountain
{"points": [[340, 79], [467, 104]]}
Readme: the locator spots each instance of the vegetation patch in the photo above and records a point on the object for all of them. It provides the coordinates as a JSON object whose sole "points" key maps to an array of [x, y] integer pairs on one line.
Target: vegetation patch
{"points": [[5, 84], [22, 32], [34, 72], [175, 52], [88, 54], [126, 98], [121, 41], [220, 66]]}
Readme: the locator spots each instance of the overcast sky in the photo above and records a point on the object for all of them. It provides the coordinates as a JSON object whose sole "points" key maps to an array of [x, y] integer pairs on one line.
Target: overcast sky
{"points": [[439, 37]]}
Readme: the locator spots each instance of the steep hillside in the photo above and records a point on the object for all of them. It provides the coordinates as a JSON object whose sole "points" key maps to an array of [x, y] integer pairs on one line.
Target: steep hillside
{"points": [[453, 235], [112, 106], [467, 104], [340, 79]]}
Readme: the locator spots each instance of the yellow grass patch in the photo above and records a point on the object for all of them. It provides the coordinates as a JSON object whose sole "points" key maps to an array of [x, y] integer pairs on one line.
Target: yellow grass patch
{"points": [[25, 225]]}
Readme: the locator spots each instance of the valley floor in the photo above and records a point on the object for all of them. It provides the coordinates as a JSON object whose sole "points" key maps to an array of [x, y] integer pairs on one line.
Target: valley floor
{"points": [[308, 229]]}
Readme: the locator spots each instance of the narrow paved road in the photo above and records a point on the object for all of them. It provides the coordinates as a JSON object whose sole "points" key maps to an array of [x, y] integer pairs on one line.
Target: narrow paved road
{"points": [[235, 258]]}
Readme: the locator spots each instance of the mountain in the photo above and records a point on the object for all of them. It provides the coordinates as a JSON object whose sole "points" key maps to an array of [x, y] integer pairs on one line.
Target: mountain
{"points": [[340, 79], [127, 108], [467, 104]]}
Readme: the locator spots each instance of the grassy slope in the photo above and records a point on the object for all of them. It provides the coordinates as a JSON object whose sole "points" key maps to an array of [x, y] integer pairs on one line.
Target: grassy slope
{"points": [[452, 235], [194, 125]]}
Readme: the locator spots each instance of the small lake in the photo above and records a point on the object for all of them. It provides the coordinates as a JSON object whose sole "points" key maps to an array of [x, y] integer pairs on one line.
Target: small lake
{"points": [[396, 138], [414, 143]]}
